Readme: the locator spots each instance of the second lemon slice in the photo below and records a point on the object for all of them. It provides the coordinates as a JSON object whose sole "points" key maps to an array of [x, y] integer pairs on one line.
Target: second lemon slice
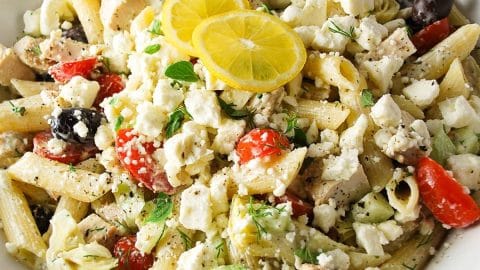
{"points": [[249, 50], [180, 17]]}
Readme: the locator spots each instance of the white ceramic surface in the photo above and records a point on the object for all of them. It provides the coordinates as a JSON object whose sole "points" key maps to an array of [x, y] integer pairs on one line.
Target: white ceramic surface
{"points": [[460, 251]]}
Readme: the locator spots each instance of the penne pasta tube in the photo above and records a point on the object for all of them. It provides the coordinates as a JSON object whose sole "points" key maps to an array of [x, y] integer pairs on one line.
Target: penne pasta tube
{"points": [[25, 115], [24, 240], [88, 12], [326, 114], [455, 82], [31, 88], [57, 177], [437, 61], [456, 17]]}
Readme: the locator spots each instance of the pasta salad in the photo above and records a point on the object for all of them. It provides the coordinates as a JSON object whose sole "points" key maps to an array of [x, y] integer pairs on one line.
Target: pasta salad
{"points": [[235, 134]]}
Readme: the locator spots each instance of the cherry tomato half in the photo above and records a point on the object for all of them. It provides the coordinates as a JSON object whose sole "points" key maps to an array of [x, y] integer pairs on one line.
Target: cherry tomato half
{"points": [[63, 72], [136, 156], [71, 154], [261, 143], [431, 35], [444, 196], [129, 257], [109, 84], [299, 207]]}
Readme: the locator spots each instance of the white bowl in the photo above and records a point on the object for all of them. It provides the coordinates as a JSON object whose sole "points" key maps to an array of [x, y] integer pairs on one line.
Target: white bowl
{"points": [[460, 251]]}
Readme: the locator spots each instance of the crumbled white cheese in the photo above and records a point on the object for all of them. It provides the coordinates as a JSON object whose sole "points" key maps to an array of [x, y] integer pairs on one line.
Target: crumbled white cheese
{"points": [[227, 135], [352, 138], [81, 129], [466, 169], [308, 12], [196, 208], [343, 168], [167, 97], [56, 146], [381, 71], [370, 33], [204, 108], [357, 7], [457, 112], [326, 40], [201, 257], [325, 216], [386, 113], [150, 120], [104, 137], [422, 92], [80, 92]]}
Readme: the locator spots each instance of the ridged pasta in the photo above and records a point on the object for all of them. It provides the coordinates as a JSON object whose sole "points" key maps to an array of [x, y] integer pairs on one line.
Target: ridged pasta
{"points": [[385, 10]]}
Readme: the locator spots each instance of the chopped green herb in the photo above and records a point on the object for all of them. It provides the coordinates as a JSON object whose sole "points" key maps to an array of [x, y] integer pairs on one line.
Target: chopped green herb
{"points": [[176, 119], [96, 229], [163, 208], [152, 48], [113, 101], [336, 29], [156, 28], [299, 137], [366, 99], [228, 109], [220, 248], [119, 122], [259, 96], [176, 84], [266, 8], [260, 212], [18, 110], [72, 168], [409, 31], [186, 240], [36, 50], [307, 256], [106, 63], [182, 71]]}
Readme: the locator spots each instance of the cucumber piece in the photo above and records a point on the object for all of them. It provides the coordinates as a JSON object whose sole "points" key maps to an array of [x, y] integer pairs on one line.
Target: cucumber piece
{"points": [[372, 208], [466, 141]]}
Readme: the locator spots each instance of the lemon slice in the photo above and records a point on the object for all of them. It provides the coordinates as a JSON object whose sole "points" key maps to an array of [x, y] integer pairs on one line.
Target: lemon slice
{"points": [[180, 17], [250, 50]]}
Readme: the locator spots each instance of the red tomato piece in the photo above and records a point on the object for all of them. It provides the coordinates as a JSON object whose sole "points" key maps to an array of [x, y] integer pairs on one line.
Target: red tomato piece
{"points": [[129, 257], [299, 207], [431, 35], [72, 153], [444, 196], [136, 156], [64, 72], [261, 143], [109, 84]]}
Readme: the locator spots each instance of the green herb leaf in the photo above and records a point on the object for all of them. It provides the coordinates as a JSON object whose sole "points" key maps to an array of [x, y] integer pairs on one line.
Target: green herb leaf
{"points": [[228, 109], [336, 29], [299, 137], [156, 28], [119, 122], [367, 99], [163, 209], [220, 248], [176, 119], [186, 240], [266, 8], [260, 212], [152, 48], [442, 147], [307, 256], [36, 50], [72, 168], [18, 110], [113, 101], [182, 71]]}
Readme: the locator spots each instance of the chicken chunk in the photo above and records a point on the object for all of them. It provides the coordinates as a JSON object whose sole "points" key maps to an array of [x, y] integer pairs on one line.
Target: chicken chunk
{"points": [[95, 229], [12, 68], [60, 49], [28, 50]]}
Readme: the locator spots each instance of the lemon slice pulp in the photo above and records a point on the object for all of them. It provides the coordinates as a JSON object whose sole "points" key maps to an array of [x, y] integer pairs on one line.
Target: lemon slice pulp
{"points": [[249, 50], [180, 17]]}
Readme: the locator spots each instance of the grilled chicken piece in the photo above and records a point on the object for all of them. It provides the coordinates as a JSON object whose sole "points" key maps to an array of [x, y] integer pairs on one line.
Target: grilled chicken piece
{"points": [[12, 68], [28, 50]]}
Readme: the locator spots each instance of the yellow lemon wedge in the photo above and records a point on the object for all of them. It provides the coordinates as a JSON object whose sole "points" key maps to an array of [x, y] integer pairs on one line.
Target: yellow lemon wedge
{"points": [[180, 17], [249, 50]]}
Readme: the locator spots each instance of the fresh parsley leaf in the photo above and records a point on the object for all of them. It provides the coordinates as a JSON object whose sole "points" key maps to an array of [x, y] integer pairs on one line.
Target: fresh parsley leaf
{"points": [[119, 122], [182, 71], [18, 110], [176, 119], [186, 240], [163, 208], [307, 256], [156, 28], [366, 99], [152, 48], [336, 29]]}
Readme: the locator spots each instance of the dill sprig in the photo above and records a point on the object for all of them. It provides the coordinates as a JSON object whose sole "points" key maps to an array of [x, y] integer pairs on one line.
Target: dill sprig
{"points": [[260, 212], [336, 29], [186, 240]]}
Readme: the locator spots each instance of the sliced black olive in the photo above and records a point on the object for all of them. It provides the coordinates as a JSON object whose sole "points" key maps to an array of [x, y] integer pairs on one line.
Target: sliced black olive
{"points": [[76, 125], [405, 3], [426, 12], [42, 216], [44, 77], [76, 32]]}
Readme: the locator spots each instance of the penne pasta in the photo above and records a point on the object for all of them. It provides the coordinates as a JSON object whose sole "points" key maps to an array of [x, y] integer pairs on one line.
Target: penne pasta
{"points": [[403, 196], [456, 17], [31, 88], [88, 12], [326, 114], [455, 82], [25, 115], [437, 61], [24, 240], [56, 177]]}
